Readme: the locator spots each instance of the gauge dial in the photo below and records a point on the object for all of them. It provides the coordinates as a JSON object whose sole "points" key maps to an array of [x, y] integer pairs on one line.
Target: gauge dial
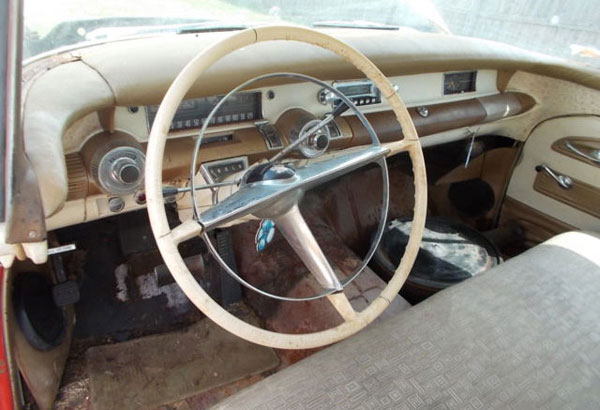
{"points": [[457, 83]]}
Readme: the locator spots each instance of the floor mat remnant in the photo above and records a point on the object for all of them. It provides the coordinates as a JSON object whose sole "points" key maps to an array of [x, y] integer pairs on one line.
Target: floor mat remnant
{"points": [[155, 370]]}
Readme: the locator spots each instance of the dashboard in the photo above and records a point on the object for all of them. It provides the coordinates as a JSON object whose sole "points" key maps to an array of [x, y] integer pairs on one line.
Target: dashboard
{"points": [[106, 162], [87, 115]]}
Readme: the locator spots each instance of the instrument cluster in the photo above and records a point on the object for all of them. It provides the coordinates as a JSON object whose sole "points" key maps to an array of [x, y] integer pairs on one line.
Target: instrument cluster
{"points": [[193, 113]]}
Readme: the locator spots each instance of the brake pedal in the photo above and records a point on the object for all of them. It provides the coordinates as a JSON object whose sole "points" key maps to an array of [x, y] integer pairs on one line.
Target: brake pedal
{"points": [[65, 292], [231, 290]]}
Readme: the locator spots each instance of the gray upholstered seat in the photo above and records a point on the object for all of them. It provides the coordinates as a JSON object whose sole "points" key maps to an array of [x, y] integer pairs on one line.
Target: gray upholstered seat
{"points": [[526, 334]]}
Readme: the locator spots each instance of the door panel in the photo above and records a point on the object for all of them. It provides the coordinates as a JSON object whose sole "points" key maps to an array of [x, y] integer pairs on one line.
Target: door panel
{"points": [[580, 195], [578, 206]]}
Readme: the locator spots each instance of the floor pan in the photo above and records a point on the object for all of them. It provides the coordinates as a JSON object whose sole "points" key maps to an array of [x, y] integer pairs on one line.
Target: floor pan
{"points": [[160, 369]]}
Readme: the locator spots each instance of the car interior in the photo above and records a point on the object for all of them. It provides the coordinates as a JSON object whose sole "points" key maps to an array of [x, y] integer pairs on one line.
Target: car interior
{"points": [[291, 217]]}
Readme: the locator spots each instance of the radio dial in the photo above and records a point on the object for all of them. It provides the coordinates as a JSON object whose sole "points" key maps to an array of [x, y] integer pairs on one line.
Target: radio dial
{"points": [[327, 97], [361, 92]]}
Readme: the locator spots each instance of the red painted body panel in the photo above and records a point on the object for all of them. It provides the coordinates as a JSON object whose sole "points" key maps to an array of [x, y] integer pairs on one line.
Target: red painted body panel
{"points": [[6, 400]]}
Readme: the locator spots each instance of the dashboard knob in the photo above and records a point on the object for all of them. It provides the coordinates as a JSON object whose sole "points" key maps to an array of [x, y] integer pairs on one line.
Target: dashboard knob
{"points": [[116, 204], [129, 174], [321, 141], [119, 170], [126, 170], [326, 97], [115, 161], [295, 122]]}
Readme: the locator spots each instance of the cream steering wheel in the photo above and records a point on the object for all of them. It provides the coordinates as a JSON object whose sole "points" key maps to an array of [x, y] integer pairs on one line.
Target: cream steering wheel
{"points": [[282, 196]]}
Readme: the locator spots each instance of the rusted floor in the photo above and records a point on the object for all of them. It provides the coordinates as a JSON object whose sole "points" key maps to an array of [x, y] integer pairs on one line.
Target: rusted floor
{"points": [[290, 317], [339, 218], [154, 370]]}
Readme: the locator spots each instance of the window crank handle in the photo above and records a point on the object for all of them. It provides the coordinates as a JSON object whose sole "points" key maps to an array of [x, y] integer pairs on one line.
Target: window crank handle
{"points": [[563, 181]]}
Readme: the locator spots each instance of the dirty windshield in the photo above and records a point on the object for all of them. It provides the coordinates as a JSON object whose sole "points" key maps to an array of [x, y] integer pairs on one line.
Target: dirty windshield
{"points": [[572, 26]]}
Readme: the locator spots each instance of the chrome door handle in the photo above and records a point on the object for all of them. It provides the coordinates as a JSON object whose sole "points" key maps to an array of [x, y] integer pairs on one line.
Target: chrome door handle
{"points": [[563, 181], [594, 155]]}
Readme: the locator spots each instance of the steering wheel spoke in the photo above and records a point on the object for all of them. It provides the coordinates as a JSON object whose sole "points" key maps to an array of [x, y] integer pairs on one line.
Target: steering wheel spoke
{"points": [[253, 197], [403, 145], [341, 303], [295, 230], [187, 230]]}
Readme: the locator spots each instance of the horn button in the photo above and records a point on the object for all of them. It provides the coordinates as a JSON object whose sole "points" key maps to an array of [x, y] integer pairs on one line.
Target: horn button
{"points": [[271, 173]]}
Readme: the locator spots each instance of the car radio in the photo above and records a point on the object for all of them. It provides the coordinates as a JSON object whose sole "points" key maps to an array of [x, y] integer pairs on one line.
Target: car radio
{"points": [[362, 92]]}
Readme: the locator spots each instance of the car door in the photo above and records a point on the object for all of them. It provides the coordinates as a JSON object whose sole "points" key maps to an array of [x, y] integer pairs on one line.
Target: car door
{"points": [[22, 233], [556, 184]]}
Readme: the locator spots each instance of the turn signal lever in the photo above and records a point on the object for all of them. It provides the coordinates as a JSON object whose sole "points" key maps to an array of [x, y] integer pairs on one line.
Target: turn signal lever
{"points": [[171, 191]]}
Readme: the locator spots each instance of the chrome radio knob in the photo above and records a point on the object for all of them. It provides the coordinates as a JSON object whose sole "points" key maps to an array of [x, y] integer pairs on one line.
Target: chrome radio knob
{"points": [[327, 97], [319, 141], [115, 161], [119, 171], [126, 170]]}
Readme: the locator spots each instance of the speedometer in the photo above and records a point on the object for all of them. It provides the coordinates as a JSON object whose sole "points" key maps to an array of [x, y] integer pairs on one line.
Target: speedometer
{"points": [[193, 113]]}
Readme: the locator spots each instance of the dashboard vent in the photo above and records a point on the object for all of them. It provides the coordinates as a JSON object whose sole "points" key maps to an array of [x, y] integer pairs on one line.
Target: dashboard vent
{"points": [[77, 177]]}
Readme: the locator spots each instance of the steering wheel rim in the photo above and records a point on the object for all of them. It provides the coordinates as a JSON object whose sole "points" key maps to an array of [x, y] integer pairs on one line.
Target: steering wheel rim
{"points": [[168, 240]]}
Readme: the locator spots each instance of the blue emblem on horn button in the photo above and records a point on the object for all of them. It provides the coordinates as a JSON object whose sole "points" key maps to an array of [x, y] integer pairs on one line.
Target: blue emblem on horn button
{"points": [[264, 235]]}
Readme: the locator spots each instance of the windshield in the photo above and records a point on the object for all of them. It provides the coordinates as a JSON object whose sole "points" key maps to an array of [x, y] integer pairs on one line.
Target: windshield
{"points": [[567, 30]]}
